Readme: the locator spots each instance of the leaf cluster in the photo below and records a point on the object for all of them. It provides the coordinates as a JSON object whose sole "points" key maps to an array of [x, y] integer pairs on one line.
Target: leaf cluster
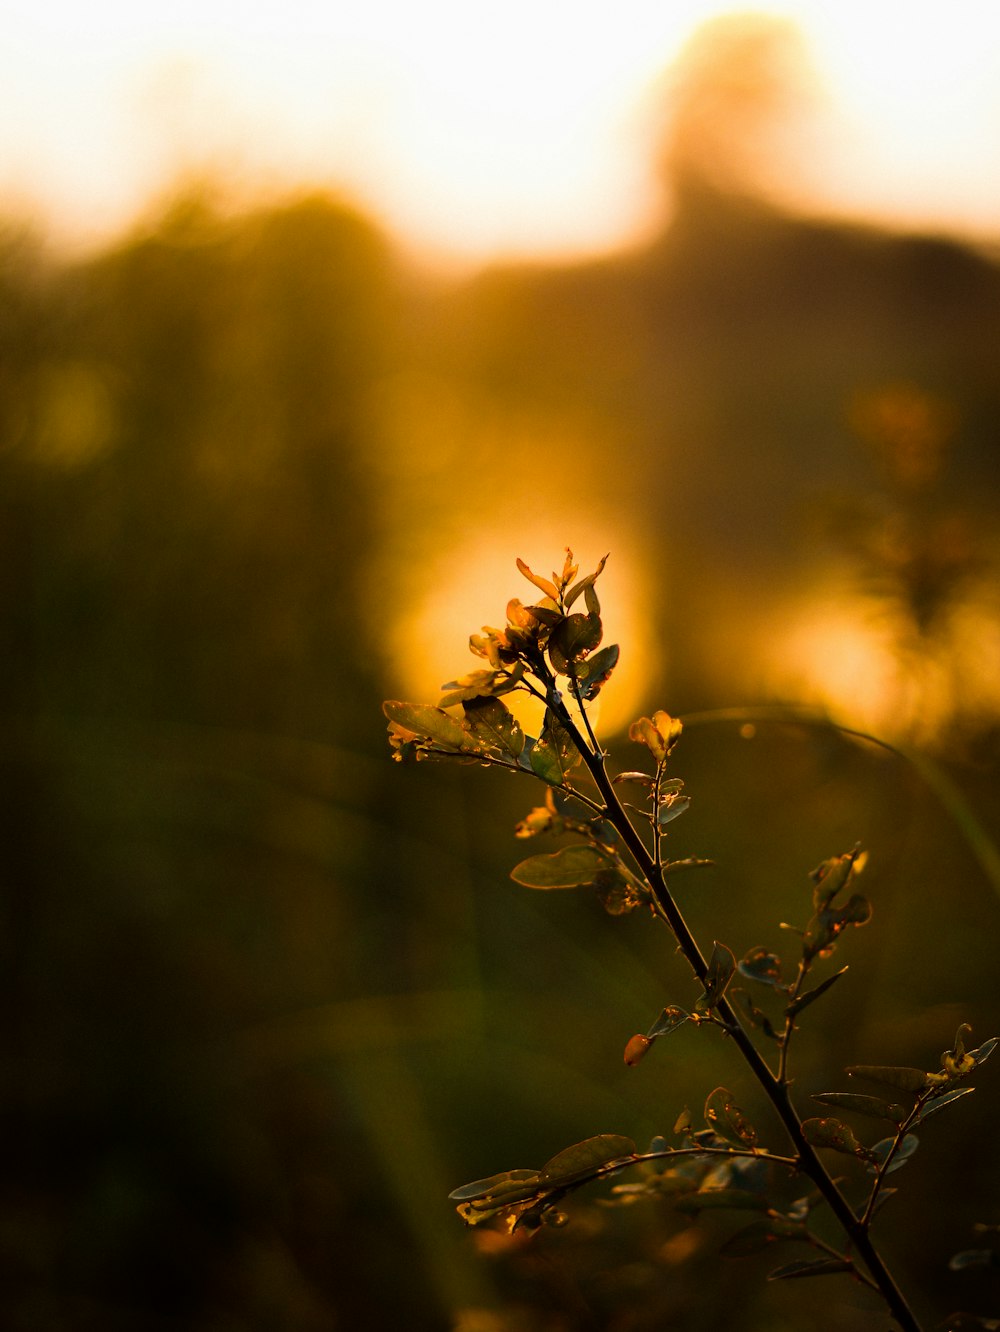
{"points": [[916, 1097], [616, 847]]}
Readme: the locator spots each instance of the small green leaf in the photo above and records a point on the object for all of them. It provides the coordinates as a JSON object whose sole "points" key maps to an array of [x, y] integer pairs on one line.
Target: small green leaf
{"points": [[549, 615], [670, 808], [542, 584], [904, 1079], [830, 877], [760, 965], [804, 1000], [618, 891], [721, 969], [571, 867], [592, 675], [871, 1106], [933, 1106], [585, 1157], [690, 862], [572, 639], [508, 1185], [641, 778], [477, 684], [669, 1020], [658, 733], [880, 1153], [433, 724], [494, 725], [724, 1117], [823, 1132], [553, 755], [983, 1053], [810, 1267], [584, 583], [545, 763], [738, 1199], [829, 923]]}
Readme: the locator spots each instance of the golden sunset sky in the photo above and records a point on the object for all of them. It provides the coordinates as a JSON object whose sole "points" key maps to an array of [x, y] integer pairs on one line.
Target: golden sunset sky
{"points": [[474, 130]]}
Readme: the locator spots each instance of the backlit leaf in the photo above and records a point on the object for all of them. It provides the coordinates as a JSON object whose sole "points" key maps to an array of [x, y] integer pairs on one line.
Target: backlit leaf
{"points": [[938, 1103], [542, 819], [721, 968], [983, 1053], [829, 923], [548, 613], [542, 584], [584, 583], [572, 639], [658, 733], [477, 684], [762, 966], [593, 673], [905, 1079], [880, 1153], [689, 862], [618, 891], [433, 724], [804, 1000], [570, 867], [553, 755], [823, 1132], [830, 877], [872, 1106], [508, 1184], [493, 724], [670, 808], [669, 1020], [725, 1118], [585, 1157]]}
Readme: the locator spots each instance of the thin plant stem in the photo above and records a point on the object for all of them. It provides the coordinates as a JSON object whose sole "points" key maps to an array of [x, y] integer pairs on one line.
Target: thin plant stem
{"points": [[774, 1087]]}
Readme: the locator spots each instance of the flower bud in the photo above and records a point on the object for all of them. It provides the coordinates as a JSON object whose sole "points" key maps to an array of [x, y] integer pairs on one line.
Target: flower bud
{"points": [[636, 1049]]}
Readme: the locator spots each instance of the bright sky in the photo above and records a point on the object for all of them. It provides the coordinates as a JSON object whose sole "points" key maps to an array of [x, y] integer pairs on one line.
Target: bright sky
{"points": [[472, 128]]}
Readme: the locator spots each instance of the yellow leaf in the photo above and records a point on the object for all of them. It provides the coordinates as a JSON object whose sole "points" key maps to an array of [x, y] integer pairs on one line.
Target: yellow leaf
{"points": [[542, 584]]}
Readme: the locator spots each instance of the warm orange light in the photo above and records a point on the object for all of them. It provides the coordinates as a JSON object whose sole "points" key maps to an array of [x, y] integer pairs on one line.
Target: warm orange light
{"points": [[845, 655], [469, 586], [475, 130]]}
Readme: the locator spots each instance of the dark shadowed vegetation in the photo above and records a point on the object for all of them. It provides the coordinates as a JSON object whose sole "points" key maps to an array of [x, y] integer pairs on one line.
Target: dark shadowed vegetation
{"points": [[265, 1003]]}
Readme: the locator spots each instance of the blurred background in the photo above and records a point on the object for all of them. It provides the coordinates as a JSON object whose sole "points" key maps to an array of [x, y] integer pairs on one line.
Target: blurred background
{"points": [[309, 326]]}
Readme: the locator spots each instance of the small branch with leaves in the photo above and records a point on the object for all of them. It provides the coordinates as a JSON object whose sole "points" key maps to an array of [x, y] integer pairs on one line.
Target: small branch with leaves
{"points": [[617, 848]]}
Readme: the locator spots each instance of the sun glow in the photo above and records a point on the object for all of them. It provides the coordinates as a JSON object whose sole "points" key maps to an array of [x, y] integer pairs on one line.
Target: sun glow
{"points": [[471, 588], [844, 656], [469, 131]]}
